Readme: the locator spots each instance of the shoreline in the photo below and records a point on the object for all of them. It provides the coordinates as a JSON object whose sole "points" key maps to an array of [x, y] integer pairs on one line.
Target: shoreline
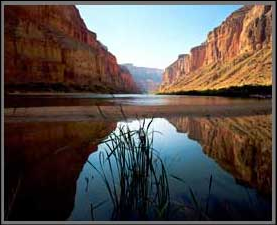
{"points": [[245, 91], [117, 112]]}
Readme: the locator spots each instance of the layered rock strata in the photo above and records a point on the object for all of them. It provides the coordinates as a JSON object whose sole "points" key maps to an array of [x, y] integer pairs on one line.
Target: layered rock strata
{"points": [[50, 45], [237, 53]]}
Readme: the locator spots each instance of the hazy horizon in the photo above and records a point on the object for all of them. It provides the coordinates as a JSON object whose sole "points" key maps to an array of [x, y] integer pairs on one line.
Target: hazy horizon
{"points": [[138, 34]]}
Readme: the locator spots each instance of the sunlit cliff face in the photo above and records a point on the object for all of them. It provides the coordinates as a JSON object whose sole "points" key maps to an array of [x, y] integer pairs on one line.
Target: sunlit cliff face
{"points": [[236, 53], [241, 145], [51, 45]]}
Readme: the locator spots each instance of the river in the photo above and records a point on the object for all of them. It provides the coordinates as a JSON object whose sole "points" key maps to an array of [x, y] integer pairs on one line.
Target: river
{"points": [[50, 142]]}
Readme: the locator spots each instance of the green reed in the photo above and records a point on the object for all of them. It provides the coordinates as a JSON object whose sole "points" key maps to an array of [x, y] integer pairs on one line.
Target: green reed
{"points": [[134, 175]]}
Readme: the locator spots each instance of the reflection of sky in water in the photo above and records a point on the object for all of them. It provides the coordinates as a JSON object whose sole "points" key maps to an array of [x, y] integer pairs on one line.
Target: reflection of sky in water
{"points": [[146, 101], [183, 158]]}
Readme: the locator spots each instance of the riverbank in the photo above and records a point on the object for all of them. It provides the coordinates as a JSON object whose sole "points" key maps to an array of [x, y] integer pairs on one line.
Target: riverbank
{"points": [[246, 91], [117, 112], [57, 88]]}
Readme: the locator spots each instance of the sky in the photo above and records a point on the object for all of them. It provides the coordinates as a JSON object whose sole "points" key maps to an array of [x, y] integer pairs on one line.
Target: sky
{"points": [[152, 35]]}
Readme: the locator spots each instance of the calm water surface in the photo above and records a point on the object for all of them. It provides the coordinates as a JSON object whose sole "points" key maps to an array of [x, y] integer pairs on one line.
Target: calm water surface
{"points": [[184, 157], [43, 100], [46, 162]]}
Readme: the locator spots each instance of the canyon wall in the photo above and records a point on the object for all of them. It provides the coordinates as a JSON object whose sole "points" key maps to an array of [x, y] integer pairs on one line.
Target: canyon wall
{"points": [[147, 79], [236, 53], [51, 45]]}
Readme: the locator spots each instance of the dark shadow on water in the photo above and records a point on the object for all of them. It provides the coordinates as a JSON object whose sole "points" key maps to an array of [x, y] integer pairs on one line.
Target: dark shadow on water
{"points": [[42, 164]]}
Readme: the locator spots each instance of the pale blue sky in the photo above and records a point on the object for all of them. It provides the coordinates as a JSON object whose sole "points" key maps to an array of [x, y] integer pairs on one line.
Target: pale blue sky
{"points": [[152, 35]]}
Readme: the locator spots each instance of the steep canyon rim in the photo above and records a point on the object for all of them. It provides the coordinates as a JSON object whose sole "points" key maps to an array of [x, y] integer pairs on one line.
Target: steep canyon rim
{"points": [[63, 55], [238, 53], [52, 133]]}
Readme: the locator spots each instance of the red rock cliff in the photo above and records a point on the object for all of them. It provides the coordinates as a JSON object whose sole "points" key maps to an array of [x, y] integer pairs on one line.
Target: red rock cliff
{"points": [[243, 41], [51, 45]]}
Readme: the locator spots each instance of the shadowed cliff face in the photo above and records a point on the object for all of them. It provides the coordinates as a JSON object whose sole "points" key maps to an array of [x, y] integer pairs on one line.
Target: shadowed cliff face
{"points": [[50, 45], [42, 164], [236, 53], [240, 145]]}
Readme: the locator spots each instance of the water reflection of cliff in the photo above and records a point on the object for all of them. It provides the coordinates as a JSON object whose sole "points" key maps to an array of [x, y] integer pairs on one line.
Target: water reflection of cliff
{"points": [[240, 145], [43, 162]]}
